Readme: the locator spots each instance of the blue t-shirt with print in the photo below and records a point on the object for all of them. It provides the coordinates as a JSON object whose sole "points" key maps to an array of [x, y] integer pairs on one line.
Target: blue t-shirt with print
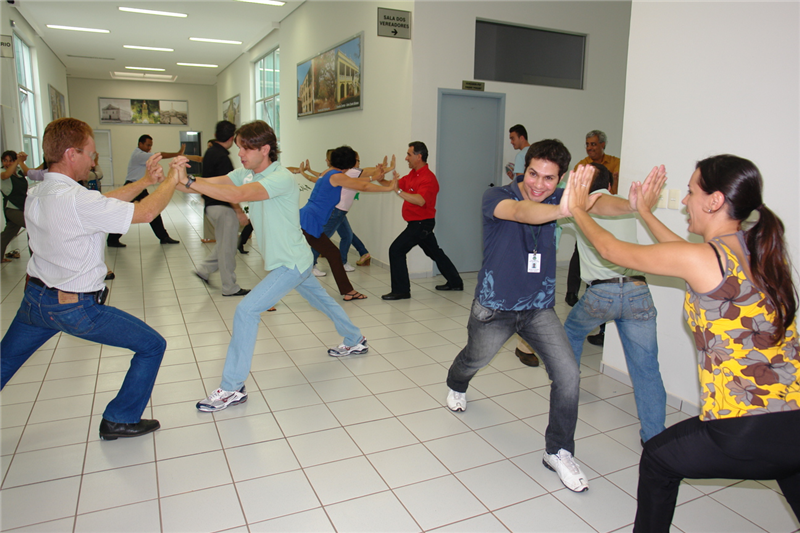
{"points": [[504, 281]]}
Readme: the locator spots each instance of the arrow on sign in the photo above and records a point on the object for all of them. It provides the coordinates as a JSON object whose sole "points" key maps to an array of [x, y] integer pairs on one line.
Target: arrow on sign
{"points": [[394, 31]]}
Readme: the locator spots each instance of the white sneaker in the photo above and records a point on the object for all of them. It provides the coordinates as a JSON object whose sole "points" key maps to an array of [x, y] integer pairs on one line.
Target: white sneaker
{"points": [[348, 268], [563, 464], [457, 401], [343, 349], [222, 399], [319, 273]]}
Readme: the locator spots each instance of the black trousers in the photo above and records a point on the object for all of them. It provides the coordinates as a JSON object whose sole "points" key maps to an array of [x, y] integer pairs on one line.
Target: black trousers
{"points": [[157, 224], [574, 272], [752, 447], [418, 233]]}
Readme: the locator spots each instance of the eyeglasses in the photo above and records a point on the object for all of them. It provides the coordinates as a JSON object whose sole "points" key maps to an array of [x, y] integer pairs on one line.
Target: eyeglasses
{"points": [[91, 155]]}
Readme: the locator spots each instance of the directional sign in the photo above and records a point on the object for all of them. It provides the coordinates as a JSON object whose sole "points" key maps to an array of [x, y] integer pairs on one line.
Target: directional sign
{"points": [[6, 46], [394, 23]]}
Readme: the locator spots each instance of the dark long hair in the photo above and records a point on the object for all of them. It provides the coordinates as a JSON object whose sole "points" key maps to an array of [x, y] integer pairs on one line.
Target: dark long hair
{"points": [[740, 182]]}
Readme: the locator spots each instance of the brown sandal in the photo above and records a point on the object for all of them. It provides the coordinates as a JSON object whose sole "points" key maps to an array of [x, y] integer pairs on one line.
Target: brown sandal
{"points": [[353, 295], [364, 261], [207, 241]]}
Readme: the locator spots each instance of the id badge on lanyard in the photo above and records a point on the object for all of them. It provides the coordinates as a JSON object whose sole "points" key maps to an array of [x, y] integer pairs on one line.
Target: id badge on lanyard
{"points": [[534, 262]]}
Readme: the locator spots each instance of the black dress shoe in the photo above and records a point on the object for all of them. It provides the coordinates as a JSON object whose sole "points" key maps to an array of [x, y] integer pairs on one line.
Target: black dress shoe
{"points": [[114, 430], [169, 240], [204, 280], [448, 287], [240, 292], [242, 250], [116, 244], [110, 276], [529, 359], [571, 299], [396, 296], [597, 340]]}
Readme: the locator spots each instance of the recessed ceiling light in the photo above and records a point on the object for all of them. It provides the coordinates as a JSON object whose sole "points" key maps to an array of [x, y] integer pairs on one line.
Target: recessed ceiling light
{"points": [[146, 68], [147, 48], [151, 12], [218, 41], [75, 28], [92, 57], [197, 65], [142, 76], [265, 2]]}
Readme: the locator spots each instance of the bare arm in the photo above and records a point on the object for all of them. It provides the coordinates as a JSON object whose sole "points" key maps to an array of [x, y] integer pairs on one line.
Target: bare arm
{"points": [[380, 168], [358, 184], [222, 188], [170, 155], [195, 158], [21, 158], [644, 197], [153, 175], [153, 204]]}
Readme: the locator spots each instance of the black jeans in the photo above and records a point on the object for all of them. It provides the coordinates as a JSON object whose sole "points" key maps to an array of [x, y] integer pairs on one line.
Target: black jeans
{"points": [[157, 224], [751, 447], [418, 232]]}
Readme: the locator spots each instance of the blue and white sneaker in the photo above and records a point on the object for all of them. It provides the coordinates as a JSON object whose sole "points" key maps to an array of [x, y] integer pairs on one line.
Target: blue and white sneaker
{"points": [[222, 399], [343, 349]]}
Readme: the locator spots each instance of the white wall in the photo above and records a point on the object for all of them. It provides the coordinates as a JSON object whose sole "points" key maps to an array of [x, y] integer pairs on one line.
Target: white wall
{"points": [[84, 105], [704, 79]]}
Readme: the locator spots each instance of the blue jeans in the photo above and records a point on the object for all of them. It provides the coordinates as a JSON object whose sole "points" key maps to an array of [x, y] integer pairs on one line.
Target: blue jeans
{"points": [[489, 329], [347, 238], [40, 316], [267, 293], [630, 305]]}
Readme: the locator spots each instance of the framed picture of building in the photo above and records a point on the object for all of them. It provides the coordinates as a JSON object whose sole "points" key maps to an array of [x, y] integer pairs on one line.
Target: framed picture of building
{"points": [[331, 80], [58, 107], [141, 111], [231, 111]]}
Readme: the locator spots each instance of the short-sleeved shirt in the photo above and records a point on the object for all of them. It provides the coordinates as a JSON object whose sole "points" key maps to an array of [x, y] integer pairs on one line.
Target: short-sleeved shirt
{"points": [[519, 162], [348, 196], [504, 281], [317, 211], [276, 220], [137, 166], [67, 225], [422, 182], [216, 162]]}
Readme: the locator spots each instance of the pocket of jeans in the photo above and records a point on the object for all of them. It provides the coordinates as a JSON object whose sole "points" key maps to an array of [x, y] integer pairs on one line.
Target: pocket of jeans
{"points": [[596, 305], [642, 306], [481, 313], [73, 320]]}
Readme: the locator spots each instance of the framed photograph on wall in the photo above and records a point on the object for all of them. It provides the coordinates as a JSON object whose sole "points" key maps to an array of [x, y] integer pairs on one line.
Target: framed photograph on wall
{"points": [[58, 106], [231, 111], [332, 80], [140, 111]]}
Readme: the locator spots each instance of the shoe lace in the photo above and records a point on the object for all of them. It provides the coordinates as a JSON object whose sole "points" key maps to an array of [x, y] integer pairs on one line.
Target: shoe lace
{"points": [[566, 459]]}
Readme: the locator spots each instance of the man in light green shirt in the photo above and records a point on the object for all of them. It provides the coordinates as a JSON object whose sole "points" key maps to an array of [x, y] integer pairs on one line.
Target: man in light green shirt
{"points": [[271, 197]]}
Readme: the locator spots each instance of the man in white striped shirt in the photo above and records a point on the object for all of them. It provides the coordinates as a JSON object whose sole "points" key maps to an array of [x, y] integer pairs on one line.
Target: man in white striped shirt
{"points": [[65, 291]]}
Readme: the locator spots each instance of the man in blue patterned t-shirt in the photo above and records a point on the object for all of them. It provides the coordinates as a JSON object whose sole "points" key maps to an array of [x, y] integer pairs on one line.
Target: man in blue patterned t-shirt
{"points": [[516, 294]]}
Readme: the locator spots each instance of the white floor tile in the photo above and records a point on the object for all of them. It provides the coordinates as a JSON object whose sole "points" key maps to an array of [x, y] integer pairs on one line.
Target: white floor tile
{"points": [[345, 480], [439, 502], [379, 513], [212, 509]]}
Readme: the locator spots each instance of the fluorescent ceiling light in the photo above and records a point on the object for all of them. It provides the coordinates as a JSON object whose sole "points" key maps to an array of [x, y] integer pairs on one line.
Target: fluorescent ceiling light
{"points": [[265, 2], [75, 28], [146, 68], [151, 12], [218, 41], [197, 65], [134, 47], [142, 76]]}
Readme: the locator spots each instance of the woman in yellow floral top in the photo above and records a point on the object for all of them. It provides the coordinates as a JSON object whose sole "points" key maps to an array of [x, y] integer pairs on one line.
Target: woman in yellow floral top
{"points": [[740, 305]]}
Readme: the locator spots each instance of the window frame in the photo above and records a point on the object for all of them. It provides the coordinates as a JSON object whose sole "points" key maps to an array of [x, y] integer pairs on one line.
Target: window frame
{"points": [[267, 89]]}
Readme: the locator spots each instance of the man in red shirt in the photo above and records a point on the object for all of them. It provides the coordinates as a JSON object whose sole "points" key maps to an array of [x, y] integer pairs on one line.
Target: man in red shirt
{"points": [[418, 190]]}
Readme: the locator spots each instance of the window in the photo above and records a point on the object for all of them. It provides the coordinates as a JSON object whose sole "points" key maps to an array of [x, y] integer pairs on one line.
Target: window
{"points": [[27, 102], [268, 98], [518, 54]]}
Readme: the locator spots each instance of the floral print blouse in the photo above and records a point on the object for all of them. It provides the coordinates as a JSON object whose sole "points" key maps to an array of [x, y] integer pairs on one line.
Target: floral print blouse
{"points": [[741, 372]]}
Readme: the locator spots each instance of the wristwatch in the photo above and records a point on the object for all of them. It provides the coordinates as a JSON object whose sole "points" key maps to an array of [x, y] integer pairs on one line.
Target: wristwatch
{"points": [[399, 191], [189, 180]]}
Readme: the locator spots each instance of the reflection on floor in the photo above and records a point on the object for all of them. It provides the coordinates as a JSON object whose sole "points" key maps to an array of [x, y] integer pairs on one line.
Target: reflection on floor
{"points": [[358, 444]]}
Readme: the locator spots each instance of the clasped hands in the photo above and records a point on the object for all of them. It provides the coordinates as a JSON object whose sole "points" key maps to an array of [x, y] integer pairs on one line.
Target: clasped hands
{"points": [[177, 169], [643, 196]]}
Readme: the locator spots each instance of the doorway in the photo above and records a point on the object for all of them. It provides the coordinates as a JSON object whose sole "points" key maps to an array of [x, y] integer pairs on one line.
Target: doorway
{"points": [[469, 159], [102, 141]]}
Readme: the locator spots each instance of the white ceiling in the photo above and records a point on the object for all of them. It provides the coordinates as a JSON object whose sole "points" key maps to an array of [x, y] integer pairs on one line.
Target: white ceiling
{"points": [[101, 53]]}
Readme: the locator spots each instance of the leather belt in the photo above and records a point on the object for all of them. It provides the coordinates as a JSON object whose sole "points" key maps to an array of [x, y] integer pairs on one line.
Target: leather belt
{"points": [[620, 280]]}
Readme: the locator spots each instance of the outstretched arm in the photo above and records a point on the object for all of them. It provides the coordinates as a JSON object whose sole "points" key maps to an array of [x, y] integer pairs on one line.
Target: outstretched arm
{"points": [[359, 184], [153, 175], [169, 155], [644, 197], [380, 168]]}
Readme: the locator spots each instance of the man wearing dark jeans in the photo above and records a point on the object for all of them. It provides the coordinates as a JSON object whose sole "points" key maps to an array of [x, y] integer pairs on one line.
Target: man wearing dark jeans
{"points": [[418, 190], [65, 290], [136, 169], [516, 294]]}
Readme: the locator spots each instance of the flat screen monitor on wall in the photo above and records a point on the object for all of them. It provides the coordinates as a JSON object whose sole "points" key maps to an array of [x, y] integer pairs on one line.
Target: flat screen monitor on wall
{"points": [[519, 54]]}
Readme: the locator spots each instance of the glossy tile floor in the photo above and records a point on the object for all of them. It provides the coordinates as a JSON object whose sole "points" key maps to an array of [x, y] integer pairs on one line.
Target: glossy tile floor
{"points": [[358, 444]]}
